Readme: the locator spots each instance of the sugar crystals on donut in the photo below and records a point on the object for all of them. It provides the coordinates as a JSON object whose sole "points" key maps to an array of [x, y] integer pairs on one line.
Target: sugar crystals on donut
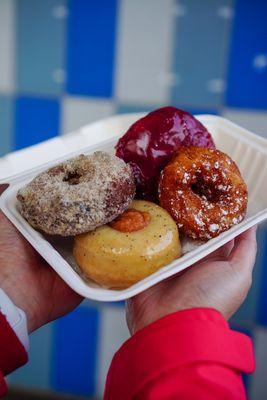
{"points": [[167, 156], [78, 195], [203, 191]]}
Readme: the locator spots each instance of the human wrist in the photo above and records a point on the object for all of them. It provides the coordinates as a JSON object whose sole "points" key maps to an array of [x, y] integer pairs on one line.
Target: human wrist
{"points": [[143, 314], [196, 310], [20, 300], [16, 319]]}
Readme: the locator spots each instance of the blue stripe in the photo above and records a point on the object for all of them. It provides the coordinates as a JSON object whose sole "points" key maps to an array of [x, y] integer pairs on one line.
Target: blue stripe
{"points": [[6, 114], [201, 40], [91, 47], [125, 108], [246, 377], [195, 111], [100, 305], [36, 374], [74, 352], [247, 315], [40, 43], [35, 120], [247, 83]]}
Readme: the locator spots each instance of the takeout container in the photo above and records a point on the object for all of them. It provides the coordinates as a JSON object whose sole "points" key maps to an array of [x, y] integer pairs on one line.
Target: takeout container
{"points": [[248, 150]]}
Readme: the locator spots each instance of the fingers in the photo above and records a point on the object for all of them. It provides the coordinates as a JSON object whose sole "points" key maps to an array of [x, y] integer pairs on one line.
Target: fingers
{"points": [[244, 251], [3, 219], [5, 224], [221, 253]]}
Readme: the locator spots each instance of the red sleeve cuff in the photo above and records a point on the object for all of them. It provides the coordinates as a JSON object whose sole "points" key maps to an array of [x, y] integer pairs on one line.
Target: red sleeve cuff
{"points": [[189, 336], [12, 352], [3, 386]]}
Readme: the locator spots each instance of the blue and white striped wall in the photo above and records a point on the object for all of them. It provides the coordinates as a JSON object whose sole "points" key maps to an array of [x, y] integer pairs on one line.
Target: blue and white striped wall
{"points": [[67, 62], [72, 355], [64, 63]]}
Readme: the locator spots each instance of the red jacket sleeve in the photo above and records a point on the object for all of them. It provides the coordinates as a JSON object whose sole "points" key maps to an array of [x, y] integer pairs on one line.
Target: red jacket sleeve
{"points": [[12, 352], [189, 355]]}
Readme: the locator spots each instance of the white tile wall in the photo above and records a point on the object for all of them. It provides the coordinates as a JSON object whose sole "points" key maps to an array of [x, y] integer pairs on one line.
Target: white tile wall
{"points": [[79, 111], [113, 332], [7, 46], [144, 51]]}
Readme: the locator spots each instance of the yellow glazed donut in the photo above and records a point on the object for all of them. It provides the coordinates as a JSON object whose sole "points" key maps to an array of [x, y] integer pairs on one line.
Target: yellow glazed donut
{"points": [[138, 243]]}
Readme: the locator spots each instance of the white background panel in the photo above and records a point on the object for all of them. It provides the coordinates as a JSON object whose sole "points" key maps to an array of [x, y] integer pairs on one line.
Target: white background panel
{"points": [[7, 45], [254, 121], [144, 51], [79, 111], [113, 333], [258, 388]]}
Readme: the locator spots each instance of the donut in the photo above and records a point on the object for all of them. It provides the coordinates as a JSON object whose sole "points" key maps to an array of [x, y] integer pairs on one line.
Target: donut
{"points": [[150, 143], [203, 191], [135, 245], [78, 195]]}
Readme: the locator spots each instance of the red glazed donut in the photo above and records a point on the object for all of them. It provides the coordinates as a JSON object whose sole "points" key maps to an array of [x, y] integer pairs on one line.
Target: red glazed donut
{"points": [[149, 144], [203, 191]]}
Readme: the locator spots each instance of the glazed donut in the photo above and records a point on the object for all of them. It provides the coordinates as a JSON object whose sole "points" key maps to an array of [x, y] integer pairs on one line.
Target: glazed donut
{"points": [[150, 143], [203, 191], [133, 246], [78, 195]]}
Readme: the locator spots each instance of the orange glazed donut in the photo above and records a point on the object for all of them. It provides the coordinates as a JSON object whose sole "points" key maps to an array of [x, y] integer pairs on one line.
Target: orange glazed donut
{"points": [[203, 191]]}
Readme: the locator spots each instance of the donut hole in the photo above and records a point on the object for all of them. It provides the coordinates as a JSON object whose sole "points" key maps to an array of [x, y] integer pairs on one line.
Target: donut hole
{"points": [[205, 191], [72, 178]]}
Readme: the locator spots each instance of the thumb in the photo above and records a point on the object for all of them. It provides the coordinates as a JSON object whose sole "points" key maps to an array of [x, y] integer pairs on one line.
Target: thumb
{"points": [[243, 254]]}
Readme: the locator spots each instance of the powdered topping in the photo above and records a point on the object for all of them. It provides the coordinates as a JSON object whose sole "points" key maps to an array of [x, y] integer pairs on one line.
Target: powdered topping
{"points": [[198, 220], [78, 195], [186, 177], [211, 201], [213, 227]]}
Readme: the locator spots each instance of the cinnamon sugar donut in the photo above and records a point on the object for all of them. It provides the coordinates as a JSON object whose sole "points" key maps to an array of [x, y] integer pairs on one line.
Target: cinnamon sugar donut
{"points": [[203, 191], [78, 195]]}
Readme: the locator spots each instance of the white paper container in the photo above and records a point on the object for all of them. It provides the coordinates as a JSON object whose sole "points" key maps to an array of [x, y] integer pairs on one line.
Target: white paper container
{"points": [[247, 149]]}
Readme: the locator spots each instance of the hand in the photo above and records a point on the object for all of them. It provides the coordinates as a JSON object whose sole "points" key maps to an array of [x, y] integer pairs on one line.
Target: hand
{"points": [[29, 281], [220, 281]]}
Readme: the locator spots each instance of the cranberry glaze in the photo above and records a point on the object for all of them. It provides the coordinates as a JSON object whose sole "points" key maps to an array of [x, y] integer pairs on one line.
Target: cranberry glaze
{"points": [[150, 143]]}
